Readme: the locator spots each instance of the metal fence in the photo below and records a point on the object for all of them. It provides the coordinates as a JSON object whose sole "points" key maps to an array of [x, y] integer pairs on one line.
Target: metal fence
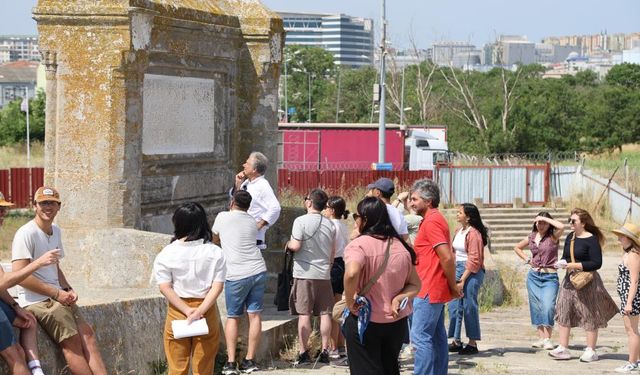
{"points": [[304, 181], [495, 185], [575, 180], [19, 184]]}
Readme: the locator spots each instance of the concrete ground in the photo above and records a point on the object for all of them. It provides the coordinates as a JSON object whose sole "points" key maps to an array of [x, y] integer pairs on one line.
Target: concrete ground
{"points": [[506, 343]]}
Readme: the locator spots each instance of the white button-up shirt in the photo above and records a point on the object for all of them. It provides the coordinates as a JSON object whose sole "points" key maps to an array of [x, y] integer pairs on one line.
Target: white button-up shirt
{"points": [[264, 204]]}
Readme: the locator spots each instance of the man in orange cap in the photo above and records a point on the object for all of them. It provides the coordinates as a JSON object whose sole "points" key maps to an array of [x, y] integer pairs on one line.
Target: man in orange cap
{"points": [[11, 314], [47, 293]]}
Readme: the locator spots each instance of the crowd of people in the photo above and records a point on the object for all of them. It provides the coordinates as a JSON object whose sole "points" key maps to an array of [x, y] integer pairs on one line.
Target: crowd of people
{"points": [[379, 289]]}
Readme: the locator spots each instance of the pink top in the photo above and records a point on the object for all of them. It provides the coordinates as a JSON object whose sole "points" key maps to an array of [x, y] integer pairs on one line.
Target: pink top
{"points": [[369, 253]]}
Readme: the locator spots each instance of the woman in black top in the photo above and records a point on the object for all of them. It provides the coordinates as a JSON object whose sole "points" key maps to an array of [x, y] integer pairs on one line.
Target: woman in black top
{"points": [[591, 307]]}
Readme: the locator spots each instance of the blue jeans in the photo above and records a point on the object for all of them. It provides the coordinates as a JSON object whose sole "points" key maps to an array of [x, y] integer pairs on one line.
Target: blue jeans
{"points": [[466, 308], [429, 338], [543, 290]]}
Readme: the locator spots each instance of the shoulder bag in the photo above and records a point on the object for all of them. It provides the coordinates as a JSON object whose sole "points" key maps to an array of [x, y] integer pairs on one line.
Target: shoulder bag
{"points": [[339, 307], [579, 279], [285, 277]]}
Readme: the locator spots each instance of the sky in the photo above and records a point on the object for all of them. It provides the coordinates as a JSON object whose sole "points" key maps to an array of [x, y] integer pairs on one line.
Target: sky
{"points": [[428, 21]]}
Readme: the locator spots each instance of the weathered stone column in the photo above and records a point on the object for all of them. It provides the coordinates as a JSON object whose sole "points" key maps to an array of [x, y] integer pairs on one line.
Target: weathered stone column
{"points": [[151, 104]]}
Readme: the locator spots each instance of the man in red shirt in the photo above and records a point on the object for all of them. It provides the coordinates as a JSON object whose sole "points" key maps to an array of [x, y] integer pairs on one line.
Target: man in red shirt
{"points": [[437, 270]]}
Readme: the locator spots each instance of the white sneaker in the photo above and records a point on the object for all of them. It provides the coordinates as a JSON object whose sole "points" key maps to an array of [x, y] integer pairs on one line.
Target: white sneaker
{"points": [[589, 355], [333, 354], [627, 368], [538, 344], [560, 352], [547, 344]]}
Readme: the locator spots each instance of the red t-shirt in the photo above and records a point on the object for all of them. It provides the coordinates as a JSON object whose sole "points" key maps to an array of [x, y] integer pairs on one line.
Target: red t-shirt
{"points": [[433, 231]]}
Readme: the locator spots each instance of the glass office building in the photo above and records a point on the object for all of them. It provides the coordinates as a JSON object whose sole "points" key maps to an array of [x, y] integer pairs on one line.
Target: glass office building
{"points": [[349, 39]]}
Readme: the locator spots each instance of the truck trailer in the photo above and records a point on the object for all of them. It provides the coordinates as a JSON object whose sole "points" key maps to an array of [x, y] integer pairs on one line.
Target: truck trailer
{"points": [[326, 146]]}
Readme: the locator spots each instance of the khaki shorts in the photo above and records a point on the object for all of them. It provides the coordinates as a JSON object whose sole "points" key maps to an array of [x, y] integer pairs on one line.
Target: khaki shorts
{"points": [[59, 321], [311, 297]]}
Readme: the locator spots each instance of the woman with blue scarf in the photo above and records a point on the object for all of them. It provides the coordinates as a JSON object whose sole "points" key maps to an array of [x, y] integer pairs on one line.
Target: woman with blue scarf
{"points": [[377, 323]]}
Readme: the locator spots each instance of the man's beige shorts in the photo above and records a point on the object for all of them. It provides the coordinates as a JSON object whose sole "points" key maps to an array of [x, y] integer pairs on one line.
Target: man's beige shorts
{"points": [[311, 297], [59, 321]]}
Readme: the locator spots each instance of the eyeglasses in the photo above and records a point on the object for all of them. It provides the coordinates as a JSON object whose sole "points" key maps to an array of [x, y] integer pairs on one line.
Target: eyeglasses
{"points": [[355, 216], [47, 203], [572, 221]]}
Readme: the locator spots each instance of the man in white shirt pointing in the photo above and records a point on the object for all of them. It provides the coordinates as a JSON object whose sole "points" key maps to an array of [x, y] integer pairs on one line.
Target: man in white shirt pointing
{"points": [[265, 207]]}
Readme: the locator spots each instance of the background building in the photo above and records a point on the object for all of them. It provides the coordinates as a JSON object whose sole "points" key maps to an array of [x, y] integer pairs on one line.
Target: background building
{"points": [[349, 39], [458, 54], [19, 47], [15, 79]]}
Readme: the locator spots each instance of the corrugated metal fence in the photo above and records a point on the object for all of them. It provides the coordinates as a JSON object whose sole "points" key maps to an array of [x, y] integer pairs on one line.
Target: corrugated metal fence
{"points": [[496, 185], [304, 181], [19, 184]]}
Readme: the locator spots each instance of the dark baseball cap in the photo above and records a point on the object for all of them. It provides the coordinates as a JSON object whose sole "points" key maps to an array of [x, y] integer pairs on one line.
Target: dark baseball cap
{"points": [[383, 184]]}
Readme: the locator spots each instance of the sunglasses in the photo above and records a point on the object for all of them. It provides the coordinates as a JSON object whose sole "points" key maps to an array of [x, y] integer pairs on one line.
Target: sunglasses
{"points": [[572, 221], [355, 216]]}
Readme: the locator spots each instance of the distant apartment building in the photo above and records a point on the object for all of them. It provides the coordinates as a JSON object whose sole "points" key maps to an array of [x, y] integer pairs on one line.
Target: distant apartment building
{"points": [[595, 44], [16, 79], [457, 54], [397, 59], [553, 53], [19, 47], [509, 50], [349, 39]]}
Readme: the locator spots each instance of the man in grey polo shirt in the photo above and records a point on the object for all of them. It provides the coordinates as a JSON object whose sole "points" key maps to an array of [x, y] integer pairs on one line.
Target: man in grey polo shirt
{"points": [[313, 243], [245, 282]]}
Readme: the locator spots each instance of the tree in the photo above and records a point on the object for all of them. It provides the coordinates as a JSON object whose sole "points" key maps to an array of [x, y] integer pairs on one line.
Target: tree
{"points": [[13, 123], [627, 75], [310, 71]]}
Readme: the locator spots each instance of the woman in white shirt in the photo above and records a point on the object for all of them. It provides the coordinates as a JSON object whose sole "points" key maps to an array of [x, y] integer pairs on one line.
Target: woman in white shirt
{"points": [[190, 273]]}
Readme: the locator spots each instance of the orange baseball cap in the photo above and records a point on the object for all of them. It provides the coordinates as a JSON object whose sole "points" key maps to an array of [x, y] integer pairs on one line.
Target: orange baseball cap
{"points": [[45, 193], [4, 202]]}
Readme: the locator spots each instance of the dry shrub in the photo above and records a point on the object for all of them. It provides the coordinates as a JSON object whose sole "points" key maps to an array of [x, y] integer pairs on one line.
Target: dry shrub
{"points": [[292, 345]]}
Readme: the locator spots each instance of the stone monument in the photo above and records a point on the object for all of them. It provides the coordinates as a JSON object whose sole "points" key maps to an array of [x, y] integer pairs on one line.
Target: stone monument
{"points": [[150, 103]]}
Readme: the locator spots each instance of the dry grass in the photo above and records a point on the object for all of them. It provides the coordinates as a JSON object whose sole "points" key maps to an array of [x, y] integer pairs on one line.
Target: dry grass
{"points": [[12, 222], [15, 156], [292, 344], [604, 164], [601, 215]]}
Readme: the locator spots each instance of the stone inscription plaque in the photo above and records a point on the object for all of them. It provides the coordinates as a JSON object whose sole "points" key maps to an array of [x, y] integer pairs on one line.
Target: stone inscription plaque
{"points": [[178, 115]]}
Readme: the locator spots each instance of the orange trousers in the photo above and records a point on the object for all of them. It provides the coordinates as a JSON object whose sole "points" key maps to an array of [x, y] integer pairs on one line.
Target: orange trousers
{"points": [[199, 350]]}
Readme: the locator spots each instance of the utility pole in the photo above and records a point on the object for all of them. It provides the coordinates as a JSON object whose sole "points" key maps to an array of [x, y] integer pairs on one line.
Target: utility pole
{"points": [[383, 51], [402, 100]]}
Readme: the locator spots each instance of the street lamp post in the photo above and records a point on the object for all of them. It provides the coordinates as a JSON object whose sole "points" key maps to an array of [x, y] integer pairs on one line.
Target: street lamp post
{"points": [[381, 123], [309, 119], [286, 104], [338, 98], [402, 99]]}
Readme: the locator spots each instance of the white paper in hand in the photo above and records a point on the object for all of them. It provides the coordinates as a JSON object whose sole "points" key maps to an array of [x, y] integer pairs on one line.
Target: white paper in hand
{"points": [[181, 329]]}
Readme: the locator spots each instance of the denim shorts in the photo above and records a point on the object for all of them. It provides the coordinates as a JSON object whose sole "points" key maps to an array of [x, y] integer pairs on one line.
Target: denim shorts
{"points": [[247, 292], [7, 316]]}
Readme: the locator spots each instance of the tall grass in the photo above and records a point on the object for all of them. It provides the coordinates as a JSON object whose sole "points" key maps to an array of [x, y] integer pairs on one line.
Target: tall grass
{"points": [[15, 156], [604, 164]]}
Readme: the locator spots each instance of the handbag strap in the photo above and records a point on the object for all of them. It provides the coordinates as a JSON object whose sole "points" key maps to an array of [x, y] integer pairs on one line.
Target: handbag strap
{"points": [[379, 272], [573, 238]]}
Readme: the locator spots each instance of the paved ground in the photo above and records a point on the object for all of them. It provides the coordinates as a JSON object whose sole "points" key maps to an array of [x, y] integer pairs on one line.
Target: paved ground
{"points": [[507, 337]]}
